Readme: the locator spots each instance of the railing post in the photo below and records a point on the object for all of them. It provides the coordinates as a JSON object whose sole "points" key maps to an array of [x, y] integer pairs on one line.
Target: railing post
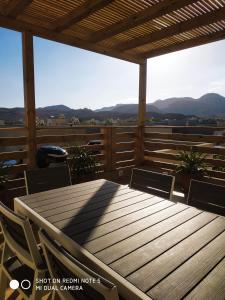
{"points": [[29, 96], [140, 145], [107, 131]]}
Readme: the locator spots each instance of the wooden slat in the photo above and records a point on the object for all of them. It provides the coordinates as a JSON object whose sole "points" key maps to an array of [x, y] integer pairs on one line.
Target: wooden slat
{"points": [[145, 201], [13, 155], [186, 137], [18, 169], [14, 183], [137, 259], [155, 145], [13, 141], [14, 7], [125, 155], [13, 129], [78, 14], [64, 38], [189, 43], [104, 207], [155, 205], [68, 138], [174, 156], [123, 137], [96, 198], [119, 247], [159, 267], [191, 272], [169, 31], [125, 146], [154, 11], [211, 287], [69, 190], [119, 242], [125, 163], [126, 204]]}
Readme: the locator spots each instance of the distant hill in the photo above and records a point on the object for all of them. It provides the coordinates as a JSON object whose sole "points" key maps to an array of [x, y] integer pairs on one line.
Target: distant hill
{"points": [[123, 111], [208, 105], [128, 108]]}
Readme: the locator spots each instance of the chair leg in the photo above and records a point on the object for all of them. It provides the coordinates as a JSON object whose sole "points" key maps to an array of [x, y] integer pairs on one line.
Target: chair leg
{"points": [[38, 294], [3, 284]]}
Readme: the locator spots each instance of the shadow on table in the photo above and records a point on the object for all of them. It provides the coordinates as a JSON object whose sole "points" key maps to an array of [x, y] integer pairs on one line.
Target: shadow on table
{"points": [[88, 217]]}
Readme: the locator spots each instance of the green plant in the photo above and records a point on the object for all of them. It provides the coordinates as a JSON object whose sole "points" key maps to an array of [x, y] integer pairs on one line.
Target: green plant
{"points": [[3, 175], [82, 163], [191, 163]]}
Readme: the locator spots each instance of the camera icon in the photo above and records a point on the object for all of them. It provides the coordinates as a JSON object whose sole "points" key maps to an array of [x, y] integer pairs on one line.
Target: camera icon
{"points": [[25, 284]]}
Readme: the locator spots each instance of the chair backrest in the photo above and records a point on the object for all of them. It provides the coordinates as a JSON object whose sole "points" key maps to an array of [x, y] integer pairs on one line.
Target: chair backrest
{"points": [[207, 196], [62, 265], [19, 237], [44, 179], [152, 182]]}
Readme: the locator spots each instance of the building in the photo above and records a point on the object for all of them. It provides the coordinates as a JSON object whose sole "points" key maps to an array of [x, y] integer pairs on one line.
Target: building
{"points": [[74, 121], [57, 121]]}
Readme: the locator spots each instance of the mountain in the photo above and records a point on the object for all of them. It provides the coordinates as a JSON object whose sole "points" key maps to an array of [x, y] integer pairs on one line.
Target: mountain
{"points": [[128, 108], [172, 108], [208, 105]]}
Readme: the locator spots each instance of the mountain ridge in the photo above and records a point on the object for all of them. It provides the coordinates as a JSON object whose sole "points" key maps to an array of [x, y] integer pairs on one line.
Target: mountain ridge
{"points": [[210, 104]]}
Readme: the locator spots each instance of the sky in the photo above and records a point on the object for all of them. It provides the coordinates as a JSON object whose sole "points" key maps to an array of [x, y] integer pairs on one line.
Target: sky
{"points": [[78, 78]]}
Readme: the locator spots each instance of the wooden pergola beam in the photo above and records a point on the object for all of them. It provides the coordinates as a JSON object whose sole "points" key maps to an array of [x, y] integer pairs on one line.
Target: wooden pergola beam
{"points": [[197, 41], [139, 18], [29, 96], [64, 38], [79, 14], [141, 112], [184, 26], [142, 93], [14, 7]]}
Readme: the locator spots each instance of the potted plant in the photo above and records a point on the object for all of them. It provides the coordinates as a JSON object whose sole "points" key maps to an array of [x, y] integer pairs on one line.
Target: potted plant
{"points": [[192, 166], [82, 165]]}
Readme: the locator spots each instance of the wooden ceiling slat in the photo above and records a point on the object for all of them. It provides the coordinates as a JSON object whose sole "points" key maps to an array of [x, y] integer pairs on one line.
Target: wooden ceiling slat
{"points": [[65, 39], [174, 29], [14, 7], [198, 41], [79, 14], [127, 29], [152, 12]]}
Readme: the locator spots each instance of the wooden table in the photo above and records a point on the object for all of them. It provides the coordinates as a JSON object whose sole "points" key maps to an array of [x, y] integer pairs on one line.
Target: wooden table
{"points": [[148, 246]]}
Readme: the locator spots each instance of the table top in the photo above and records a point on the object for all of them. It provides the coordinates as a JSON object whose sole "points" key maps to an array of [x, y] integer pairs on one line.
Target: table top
{"points": [[165, 250]]}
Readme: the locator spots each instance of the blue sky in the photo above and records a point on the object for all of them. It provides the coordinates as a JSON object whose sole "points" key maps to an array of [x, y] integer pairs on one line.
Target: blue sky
{"points": [[78, 78]]}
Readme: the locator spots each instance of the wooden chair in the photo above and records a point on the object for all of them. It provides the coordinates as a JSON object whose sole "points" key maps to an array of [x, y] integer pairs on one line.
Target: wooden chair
{"points": [[21, 258], [44, 179], [152, 182], [207, 196], [62, 265]]}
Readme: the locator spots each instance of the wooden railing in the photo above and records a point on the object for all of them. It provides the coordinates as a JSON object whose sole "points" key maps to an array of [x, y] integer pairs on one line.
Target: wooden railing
{"points": [[117, 151], [120, 150], [161, 149]]}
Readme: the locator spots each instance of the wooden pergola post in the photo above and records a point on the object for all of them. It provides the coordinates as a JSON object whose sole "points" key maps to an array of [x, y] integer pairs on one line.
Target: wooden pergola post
{"points": [[141, 111], [29, 96]]}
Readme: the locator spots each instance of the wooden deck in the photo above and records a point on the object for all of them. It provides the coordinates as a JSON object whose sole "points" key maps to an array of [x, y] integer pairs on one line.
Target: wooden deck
{"points": [[166, 250]]}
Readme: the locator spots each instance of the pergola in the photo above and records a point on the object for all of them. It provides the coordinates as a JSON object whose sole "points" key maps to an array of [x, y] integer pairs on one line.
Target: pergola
{"points": [[126, 29]]}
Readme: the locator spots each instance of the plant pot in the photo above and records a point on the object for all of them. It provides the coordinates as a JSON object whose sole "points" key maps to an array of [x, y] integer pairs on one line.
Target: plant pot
{"points": [[84, 178], [184, 181]]}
